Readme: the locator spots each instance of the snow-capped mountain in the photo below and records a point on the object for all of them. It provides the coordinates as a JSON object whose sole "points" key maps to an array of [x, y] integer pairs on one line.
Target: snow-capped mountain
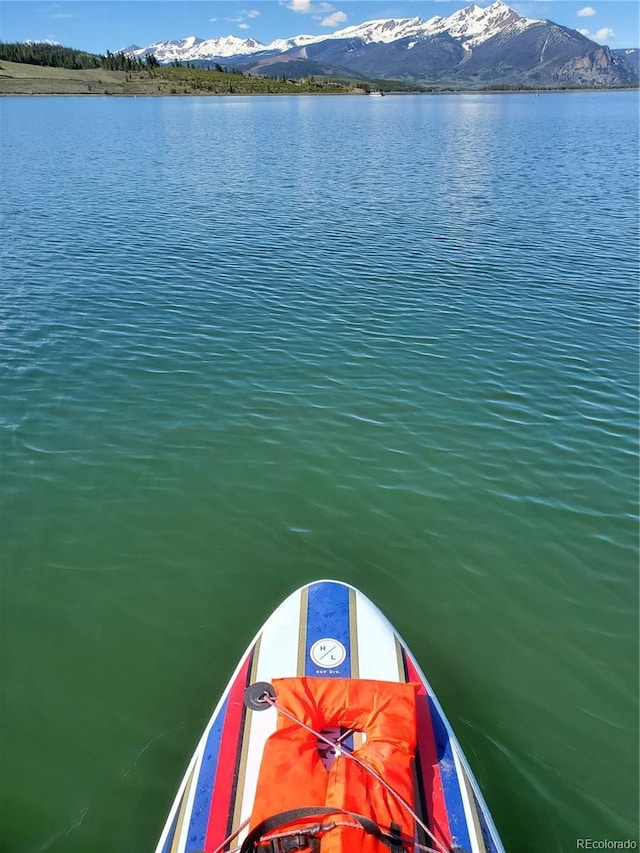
{"points": [[475, 25], [471, 25], [192, 48], [475, 45]]}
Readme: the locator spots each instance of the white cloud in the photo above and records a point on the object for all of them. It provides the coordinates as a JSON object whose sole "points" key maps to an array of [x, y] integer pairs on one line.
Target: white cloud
{"points": [[241, 19], [306, 7], [334, 19], [586, 12], [603, 35], [212, 20], [302, 6], [325, 13]]}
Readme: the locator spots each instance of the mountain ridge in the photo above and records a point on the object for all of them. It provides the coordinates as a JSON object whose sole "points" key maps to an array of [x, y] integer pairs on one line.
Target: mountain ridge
{"points": [[466, 23], [473, 46]]}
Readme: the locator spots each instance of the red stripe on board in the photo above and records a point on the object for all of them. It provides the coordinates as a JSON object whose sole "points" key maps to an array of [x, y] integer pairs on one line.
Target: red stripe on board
{"points": [[230, 744], [438, 820]]}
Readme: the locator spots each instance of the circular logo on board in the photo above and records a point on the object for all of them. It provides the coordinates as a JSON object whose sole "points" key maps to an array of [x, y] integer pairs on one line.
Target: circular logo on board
{"points": [[327, 653]]}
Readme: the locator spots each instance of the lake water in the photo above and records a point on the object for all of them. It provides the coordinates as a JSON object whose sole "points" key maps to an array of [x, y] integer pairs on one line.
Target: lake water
{"points": [[251, 342]]}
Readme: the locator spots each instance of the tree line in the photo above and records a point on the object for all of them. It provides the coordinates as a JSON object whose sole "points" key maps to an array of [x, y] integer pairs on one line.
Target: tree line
{"points": [[57, 56]]}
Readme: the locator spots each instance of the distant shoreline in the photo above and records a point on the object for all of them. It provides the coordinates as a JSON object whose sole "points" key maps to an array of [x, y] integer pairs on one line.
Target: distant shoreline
{"points": [[20, 80], [197, 94]]}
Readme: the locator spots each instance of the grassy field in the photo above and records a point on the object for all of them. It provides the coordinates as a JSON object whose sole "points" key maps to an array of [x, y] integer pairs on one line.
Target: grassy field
{"points": [[18, 78]]}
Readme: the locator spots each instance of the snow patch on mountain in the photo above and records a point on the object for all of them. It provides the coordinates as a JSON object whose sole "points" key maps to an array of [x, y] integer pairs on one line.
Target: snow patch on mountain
{"points": [[384, 30], [474, 24], [192, 47], [281, 45]]}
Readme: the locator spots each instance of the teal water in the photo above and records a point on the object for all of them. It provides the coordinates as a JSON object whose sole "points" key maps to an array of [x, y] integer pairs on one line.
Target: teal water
{"points": [[247, 343]]}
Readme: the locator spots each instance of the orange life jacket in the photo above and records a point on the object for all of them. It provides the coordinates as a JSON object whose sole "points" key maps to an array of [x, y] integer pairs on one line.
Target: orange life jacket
{"points": [[292, 774]]}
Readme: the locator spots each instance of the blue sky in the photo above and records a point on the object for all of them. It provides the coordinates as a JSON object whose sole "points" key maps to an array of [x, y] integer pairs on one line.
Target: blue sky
{"points": [[101, 25]]}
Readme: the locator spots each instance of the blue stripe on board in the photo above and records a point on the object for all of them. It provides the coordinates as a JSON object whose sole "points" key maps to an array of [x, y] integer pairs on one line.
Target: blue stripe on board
{"points": [[450, 781], [328, 619], [204, 789]]}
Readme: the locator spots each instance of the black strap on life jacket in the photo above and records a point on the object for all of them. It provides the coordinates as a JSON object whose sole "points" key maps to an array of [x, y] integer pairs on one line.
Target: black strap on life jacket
{"points": [[392, 839]]}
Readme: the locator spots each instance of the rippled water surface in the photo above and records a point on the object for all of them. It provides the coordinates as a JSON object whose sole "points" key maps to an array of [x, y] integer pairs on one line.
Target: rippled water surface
{"points": [[246, 343]]}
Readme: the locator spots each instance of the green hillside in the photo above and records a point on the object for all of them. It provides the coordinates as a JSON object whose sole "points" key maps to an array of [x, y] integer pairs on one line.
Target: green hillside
{"points": [[39, 69]]}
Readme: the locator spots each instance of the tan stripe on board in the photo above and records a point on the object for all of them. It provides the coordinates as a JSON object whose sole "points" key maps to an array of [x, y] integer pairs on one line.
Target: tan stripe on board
{"points": [[358, 738], [419, 806], [175, 844], [254, 662], [353, 634], [474, 814], [302, 632], [244, 749], [401, 671]]}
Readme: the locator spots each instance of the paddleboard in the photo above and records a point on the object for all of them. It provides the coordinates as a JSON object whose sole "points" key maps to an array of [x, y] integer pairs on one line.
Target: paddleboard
{"points": [[325, 630]]}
